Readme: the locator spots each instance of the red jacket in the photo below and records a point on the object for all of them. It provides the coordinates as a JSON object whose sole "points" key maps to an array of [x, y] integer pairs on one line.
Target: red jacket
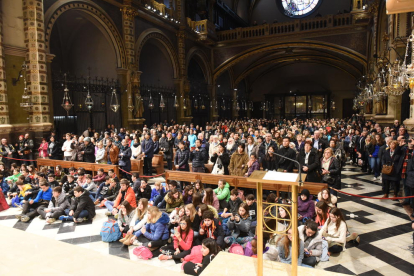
{"points": [[98, 179], [43, 148], [195, 256], [129, 196], [186, 242]]}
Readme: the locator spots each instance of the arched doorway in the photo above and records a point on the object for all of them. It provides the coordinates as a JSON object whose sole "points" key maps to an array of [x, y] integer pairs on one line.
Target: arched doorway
{"points": [[83, 46], [157, 79]]}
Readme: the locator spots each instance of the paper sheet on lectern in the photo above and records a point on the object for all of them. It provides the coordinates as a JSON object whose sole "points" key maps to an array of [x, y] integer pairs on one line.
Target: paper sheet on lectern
{"points": [[281, 176]]}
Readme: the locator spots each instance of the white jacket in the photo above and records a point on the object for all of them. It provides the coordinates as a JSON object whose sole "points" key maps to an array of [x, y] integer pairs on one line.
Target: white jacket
{"points": [[136, 226], [67, 145]]}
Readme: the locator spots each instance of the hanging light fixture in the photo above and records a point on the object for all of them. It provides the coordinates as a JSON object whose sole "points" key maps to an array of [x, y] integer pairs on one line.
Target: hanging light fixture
{"points": [[216, 105], [26, 103], [223, 105], [114, 101], [67, 103], [150, 102], [184, 104], [130, 103], [176, 105], [195, 103], [162, 103], [202, 104], [237, 106], [333, 107], [310, 104], [89, 100]]}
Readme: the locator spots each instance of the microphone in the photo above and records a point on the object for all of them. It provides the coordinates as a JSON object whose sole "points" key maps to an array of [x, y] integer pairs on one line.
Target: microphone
{"points": [[297, 163]]}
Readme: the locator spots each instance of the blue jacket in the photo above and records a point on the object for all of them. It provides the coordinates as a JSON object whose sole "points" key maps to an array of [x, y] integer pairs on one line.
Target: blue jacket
{"points": [[147, 147], [192, 139], [44, 195], [158, 231], [156, 193]]}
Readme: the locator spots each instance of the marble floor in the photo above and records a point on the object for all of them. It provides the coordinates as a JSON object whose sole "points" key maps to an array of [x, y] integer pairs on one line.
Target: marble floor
{"points": [[383, 225]]}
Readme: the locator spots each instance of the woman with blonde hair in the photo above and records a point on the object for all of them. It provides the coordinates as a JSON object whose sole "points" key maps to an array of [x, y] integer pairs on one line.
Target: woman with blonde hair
{"points": [[137, 222], [100, 154], [331, 170], [155, 233]]}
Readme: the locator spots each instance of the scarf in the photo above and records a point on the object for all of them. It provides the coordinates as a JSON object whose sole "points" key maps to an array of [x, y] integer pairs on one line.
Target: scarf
{"points": [[326, 163], [209, 231]]}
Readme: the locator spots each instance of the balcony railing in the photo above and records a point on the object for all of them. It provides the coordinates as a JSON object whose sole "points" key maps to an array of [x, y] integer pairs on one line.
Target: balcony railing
{"points": [[204, 28], [299, 25]]}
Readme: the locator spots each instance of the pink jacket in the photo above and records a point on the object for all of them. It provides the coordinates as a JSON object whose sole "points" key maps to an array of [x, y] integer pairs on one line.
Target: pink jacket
{"points": [[184, 244], [43, 148], [195, 256]]}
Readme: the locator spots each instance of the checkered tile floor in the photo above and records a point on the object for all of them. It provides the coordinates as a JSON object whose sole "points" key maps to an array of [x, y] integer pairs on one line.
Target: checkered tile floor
{"points": [[383, 225]]}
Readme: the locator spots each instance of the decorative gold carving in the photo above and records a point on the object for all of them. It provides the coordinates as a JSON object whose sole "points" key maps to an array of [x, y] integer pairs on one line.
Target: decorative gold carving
{"points": [[129, 12]]}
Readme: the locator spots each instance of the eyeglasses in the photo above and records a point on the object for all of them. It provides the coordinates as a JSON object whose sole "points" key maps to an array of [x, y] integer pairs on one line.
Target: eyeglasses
{"points": [[183, 223]]}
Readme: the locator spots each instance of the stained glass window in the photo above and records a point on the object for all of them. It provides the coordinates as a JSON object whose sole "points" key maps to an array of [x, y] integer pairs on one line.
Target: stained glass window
{"points": [[299, 8]]}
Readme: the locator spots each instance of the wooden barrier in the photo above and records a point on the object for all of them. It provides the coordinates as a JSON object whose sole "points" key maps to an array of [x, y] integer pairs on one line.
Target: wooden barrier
{"points": [[238, 181], [137, 165], [87, 166], [158, 163]]}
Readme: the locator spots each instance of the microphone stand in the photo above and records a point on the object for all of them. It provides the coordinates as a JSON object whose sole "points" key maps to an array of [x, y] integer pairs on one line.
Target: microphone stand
{"points": [[297, 163]]}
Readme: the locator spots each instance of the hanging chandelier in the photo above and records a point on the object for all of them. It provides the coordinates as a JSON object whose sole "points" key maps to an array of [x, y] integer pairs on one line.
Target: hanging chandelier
{"points": [[176, 105], [150, 102], [114, 101], [89, 100], [184, 104], [216, 105], [195, 103], [223, 106], [237, 106], [67, 103], [333, 107], [202, 104], [162, 103], [130, 103], [26, 103]]}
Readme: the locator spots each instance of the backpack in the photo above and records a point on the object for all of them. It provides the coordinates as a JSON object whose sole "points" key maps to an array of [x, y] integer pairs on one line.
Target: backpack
{"points": [[110, 231], [142, 252], [236, 249]]}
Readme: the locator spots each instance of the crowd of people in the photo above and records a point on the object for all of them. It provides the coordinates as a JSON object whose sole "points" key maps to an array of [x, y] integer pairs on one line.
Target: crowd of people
{"points": [[190, 222]]}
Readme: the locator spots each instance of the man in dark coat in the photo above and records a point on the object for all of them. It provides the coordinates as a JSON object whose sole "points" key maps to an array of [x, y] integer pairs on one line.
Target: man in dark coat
{"points": [[308, 159], [319, 143], [181, 157], [284, 164], [147, 147], [198, 156], [89, 151], [82, 206], [6, 150], [125, 158]]}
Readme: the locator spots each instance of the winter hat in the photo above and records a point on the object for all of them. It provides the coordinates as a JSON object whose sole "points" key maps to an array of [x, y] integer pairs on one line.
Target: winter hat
{"points": [[306, 193], [87, 139]]}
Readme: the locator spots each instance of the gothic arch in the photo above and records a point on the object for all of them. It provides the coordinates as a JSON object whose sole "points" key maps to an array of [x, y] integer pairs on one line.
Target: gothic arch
{"points": [[202, 60], [95, 15], [161, 38]]}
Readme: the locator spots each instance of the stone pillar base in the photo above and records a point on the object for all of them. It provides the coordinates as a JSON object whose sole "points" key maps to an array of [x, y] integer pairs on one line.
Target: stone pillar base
{"points": [[186, 120], [384, 119], [136, 123], [409, 124]]}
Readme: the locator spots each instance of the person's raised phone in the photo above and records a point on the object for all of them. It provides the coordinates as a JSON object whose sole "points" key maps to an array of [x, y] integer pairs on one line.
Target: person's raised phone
{"points": [[164, 184]]}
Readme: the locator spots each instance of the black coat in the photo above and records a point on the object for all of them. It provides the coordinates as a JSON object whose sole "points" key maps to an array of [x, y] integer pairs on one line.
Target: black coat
{"points": [[89, 153], [84, 202], [181, 159], [225, 160], [283, 163], [145, 194], [55, 151], [269, 163], [167, 148], [125, 159], [312, 175], [410, 174], [334, 171], [198, 157], [397, 160]]}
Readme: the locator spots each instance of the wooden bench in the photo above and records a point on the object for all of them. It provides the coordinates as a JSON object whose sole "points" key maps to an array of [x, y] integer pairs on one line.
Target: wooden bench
{"points": [[158, 163], [209, 167], [137, 165], [238, 181], [69, 164]]}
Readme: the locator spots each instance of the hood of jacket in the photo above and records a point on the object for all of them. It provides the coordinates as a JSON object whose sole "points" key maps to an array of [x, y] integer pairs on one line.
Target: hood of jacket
{"points": [[61, 197], [169, 201], [164, 219]]}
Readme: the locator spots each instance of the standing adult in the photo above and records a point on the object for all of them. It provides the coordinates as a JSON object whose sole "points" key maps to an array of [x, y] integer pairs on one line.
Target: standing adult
{"points": [[125, 158], [309, 161], [67, 147], [111, 153], [197, 156], [181, 157], [147, 147], [28, 149], [6, 150], [89, 151], [392, 157]]}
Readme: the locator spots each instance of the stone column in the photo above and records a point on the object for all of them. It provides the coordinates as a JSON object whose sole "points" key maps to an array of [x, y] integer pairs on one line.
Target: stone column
{"points": [[5, 127], [234, 113], [125, 74], [37, 86]]}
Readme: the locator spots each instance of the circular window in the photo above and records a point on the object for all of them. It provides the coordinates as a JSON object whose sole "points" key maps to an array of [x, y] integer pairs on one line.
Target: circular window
{"points": [[299, 8]]}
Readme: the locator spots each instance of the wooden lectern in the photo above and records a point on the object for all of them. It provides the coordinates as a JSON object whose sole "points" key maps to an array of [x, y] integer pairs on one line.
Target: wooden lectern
{"points": [[277, 178]]}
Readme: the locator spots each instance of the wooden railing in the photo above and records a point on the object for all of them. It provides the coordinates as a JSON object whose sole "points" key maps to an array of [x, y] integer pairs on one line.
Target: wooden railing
{"points": [[238, 181], [93, 167], [299, 25]]}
